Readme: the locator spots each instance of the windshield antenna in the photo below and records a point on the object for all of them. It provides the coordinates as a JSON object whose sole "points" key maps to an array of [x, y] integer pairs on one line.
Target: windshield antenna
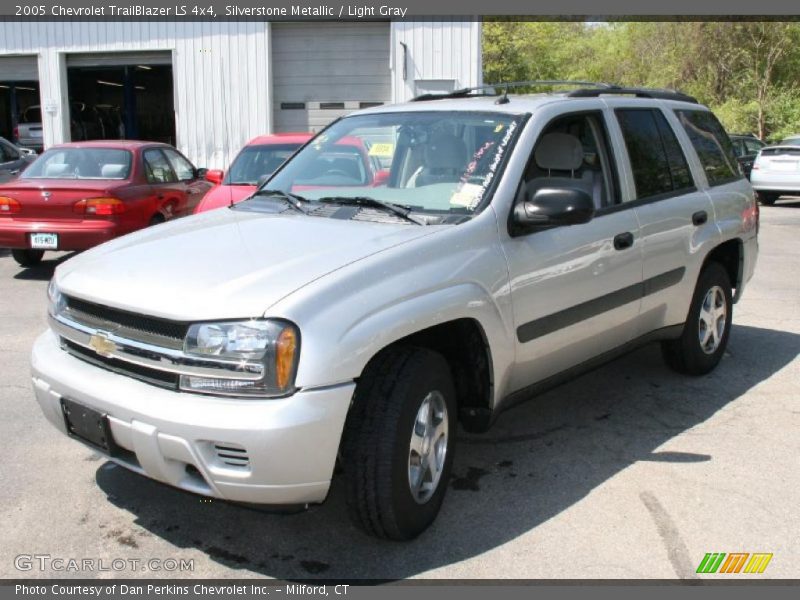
{"points": [[226, 141]]}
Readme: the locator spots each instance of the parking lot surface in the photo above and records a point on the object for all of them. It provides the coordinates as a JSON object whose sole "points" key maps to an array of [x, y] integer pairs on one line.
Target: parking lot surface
{"points": [[631, 471]]}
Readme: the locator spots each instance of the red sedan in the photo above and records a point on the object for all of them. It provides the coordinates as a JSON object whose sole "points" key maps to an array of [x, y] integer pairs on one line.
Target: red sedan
{"points": [[75, 196], [263, 155]]}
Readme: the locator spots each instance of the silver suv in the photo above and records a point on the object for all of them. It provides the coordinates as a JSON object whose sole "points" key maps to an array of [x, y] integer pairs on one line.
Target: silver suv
{"points": [[505, 244]]}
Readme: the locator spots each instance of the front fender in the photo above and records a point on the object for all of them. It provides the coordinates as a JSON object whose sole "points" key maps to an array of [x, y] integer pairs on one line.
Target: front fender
{"points": [[349, 316]]}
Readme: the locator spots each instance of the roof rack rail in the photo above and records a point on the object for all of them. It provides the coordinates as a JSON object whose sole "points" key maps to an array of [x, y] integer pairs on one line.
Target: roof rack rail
{"points": [[505, 86], [660, 94]]}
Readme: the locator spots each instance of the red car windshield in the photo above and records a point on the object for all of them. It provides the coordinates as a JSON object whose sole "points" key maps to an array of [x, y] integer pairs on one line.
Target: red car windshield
{"points": [[81, 163], [255, 162]]}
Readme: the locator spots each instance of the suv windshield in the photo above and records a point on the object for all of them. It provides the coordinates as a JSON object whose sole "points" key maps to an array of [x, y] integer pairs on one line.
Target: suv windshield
{"points": [[254, 162], [81, 163], [439, 163]]}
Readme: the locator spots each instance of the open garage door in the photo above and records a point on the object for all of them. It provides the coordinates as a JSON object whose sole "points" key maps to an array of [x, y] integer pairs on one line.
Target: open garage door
{"points": [[121, 95], [322, 71], [19, 92]]}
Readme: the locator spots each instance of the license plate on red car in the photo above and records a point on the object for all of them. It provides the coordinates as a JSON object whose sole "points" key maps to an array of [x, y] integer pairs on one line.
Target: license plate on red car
{"points": [[44, 241]]}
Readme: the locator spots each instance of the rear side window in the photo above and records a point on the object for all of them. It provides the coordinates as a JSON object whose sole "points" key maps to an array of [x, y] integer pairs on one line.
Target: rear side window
{"points": [[712, 144], [659, 166]]}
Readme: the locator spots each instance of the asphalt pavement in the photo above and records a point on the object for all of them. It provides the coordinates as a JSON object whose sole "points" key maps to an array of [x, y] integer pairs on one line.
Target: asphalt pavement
{"points": [[631, 471]]}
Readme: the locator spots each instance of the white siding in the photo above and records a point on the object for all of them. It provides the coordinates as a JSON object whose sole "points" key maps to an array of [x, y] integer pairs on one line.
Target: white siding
{"points": [[438, 51], [222, 70], [221, 74]]}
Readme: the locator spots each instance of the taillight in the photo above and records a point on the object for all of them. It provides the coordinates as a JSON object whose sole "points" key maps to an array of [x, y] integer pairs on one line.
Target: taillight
{"points": [[9, 206], [99, 206], [15, 134]]}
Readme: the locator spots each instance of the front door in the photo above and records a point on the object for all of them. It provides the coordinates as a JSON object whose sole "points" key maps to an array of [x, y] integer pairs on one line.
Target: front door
{"points": [[576, 290]]}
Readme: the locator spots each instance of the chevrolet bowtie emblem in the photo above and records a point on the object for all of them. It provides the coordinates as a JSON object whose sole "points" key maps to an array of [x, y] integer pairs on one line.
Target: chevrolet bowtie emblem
{"points": [[100, 343]]}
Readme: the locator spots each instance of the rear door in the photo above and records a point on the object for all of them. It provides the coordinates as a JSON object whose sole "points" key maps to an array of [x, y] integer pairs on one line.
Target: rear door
{"points": [[676, 216], [194, 187]]}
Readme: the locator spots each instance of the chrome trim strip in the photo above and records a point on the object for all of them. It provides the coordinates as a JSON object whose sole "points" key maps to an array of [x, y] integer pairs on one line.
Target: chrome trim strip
{"points": [[156, 357]]}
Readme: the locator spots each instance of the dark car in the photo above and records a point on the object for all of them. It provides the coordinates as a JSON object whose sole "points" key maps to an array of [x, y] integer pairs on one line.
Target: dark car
{"points": [[78, 195], [747, 147], [13, 160]]}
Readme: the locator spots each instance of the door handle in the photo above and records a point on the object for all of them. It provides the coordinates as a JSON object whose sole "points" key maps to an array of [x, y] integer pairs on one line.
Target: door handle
{"points": [[623, 240], [700, 217]]}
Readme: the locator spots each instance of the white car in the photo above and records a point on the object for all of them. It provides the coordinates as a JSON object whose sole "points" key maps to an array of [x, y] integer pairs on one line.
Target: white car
{"points": [[776, 171]]}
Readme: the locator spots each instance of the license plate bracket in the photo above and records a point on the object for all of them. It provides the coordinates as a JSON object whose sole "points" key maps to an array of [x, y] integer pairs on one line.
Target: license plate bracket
{"points": [[44, 241], [88, 425]]}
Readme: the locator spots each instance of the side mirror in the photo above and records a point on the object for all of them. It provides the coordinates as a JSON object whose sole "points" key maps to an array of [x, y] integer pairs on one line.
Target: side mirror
{"points": [[554, 206], [215, 176], [262, 180], [381, 177]]}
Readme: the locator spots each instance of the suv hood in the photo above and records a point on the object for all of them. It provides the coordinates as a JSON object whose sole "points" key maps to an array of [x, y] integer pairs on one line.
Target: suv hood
{"points": [[224, 263]]}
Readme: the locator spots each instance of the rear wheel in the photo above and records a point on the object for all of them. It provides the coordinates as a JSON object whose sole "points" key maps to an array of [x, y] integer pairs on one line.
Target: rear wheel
{"points": [[707, 328], [27, 258], [768, 198], [398, 443], [156, 219]]}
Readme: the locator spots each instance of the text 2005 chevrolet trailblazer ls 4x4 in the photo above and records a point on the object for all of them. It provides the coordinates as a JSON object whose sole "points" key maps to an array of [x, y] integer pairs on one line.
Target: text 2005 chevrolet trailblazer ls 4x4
{"points": [[510, 243]]}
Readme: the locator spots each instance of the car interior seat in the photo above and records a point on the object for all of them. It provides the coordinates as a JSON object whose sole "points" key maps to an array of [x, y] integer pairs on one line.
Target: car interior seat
{"points": [[445, 158], [559, 159]]}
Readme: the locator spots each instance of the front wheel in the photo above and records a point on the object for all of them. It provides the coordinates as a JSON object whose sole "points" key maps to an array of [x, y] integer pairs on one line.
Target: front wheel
{"points": [[397, 451], [27, 258], [707, 328]]}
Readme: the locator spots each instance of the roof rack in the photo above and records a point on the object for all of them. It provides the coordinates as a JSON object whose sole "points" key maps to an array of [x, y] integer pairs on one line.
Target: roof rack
{"points": [[660, 94], [484, 89], [587, 89]]}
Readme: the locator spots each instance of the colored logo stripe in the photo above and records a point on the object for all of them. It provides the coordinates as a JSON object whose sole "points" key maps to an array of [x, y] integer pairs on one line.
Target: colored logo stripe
{"points": [[713, 562], [758, 563]]}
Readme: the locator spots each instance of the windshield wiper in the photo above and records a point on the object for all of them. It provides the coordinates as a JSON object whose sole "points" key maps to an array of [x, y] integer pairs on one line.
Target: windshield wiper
{"points": [[293, 200], [398, 209]]}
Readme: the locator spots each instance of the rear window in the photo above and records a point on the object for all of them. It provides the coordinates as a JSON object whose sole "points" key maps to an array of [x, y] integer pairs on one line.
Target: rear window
{"points": [[712, 144], [255, 162], [81, 163]]}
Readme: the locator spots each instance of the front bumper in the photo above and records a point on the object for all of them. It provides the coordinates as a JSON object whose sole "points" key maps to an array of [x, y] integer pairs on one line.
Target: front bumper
{"points": [[290, 444], [72, 234]]}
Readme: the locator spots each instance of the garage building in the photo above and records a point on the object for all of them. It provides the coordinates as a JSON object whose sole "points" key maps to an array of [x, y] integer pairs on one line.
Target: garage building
{"points": [[208, 87]]}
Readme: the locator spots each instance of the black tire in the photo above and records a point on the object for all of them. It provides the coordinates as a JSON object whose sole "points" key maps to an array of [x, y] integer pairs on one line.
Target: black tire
{"points": [[27, 258], [156, 219], [376, 443], [767, 198], [687, 354]]}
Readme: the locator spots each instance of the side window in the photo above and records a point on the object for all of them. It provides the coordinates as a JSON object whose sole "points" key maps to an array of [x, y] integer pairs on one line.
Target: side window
{"points": [[657, 160], [573, 152], [157, 168], [713, 147], [752, 146], [182, 167]]}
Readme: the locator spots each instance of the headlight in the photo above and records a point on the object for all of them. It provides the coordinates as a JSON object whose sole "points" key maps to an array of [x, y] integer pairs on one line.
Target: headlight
{"points": [[55, 300], [273, 344]]}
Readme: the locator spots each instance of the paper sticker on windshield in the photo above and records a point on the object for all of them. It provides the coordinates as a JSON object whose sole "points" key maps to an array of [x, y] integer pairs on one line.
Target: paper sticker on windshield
{"points": [[382, 150], [499, 128], [468, 196]]}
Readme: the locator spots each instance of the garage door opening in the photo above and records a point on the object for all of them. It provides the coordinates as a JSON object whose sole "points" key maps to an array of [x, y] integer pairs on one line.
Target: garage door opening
{"points": [[120, 101], [19, 102]]}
